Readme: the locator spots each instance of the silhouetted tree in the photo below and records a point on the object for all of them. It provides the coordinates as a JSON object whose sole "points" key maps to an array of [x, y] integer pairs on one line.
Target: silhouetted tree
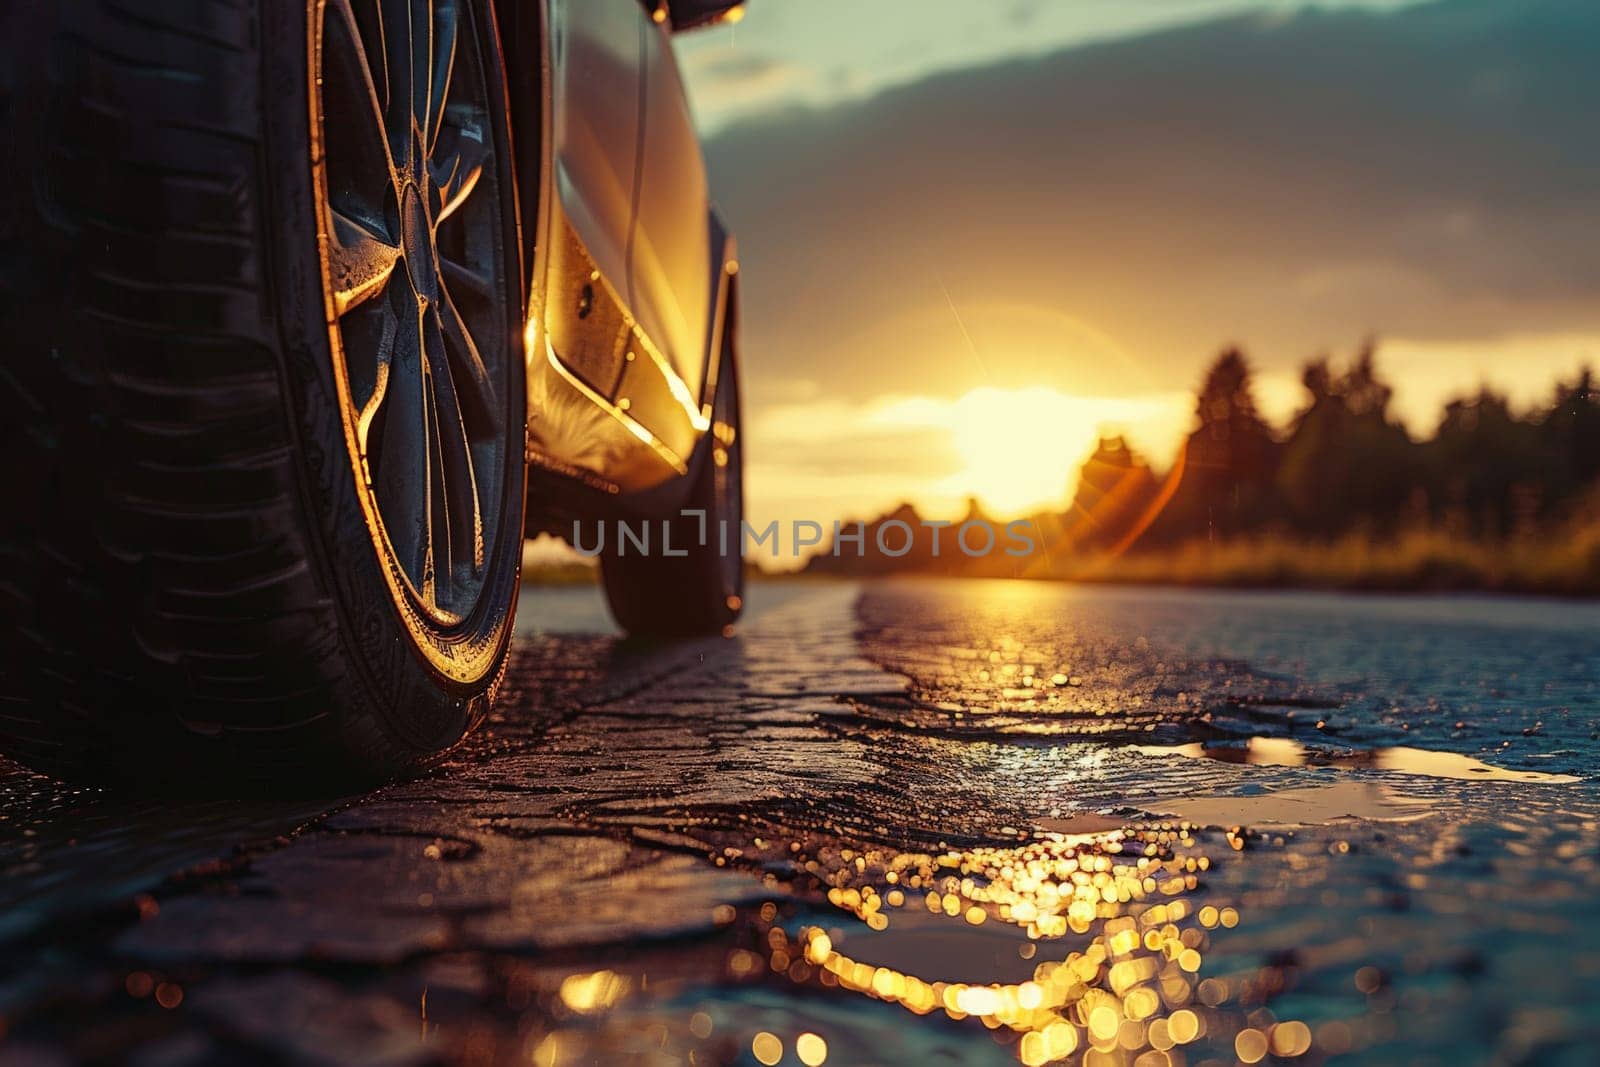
{"points": [[1114, 486], [1346, 462], [1572, 426], [1228, 461]]}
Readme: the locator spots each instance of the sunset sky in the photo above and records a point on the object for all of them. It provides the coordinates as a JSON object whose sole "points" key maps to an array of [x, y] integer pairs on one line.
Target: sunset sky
{"points": [[976, 234]]}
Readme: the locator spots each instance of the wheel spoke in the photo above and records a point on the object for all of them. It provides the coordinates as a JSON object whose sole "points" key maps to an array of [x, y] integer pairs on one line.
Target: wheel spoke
{"points": [[445, 20], [361, 257], [419, 71], [350, 81], [459, 478], [464, 282], [400, 45], [384, 356], [400, 462], [457, 171], [479, 403], [436, 582]]}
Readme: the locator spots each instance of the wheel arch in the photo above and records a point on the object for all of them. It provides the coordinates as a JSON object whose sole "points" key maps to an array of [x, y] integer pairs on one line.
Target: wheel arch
{"points": [[724, 301]]}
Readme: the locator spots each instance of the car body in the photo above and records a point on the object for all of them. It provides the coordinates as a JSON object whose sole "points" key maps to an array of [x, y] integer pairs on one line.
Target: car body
{"points": [[634, 275]]}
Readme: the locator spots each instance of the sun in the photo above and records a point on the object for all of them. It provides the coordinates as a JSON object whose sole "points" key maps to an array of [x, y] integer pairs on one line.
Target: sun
{"points": [[1020, 448]]}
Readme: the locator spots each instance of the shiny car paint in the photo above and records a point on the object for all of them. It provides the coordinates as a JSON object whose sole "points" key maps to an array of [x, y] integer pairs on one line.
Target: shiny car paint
{"points": [[632, 277]]}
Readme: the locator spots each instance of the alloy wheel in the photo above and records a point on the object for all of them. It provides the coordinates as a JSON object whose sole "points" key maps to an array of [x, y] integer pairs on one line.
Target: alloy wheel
{"points": [[413, 203]]}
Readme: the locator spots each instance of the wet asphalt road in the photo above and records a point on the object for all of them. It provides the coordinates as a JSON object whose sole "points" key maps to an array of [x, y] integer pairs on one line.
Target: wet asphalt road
{"points": [[932, 821]]}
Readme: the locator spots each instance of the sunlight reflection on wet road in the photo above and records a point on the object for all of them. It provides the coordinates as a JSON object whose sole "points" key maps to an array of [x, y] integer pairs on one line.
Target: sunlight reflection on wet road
{"points": [[932, 821]]}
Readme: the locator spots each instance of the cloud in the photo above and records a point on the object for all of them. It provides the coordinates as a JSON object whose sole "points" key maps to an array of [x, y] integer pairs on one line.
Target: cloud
{"points": [[1291, 183], [749, 77]]}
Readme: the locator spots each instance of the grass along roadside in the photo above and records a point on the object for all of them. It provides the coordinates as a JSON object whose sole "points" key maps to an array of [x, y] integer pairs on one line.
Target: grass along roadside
{"points": [[1562, 562]]}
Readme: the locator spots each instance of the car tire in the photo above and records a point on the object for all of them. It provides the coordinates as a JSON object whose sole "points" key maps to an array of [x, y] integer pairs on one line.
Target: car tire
{"points": [[210, 576], [702, 591]]}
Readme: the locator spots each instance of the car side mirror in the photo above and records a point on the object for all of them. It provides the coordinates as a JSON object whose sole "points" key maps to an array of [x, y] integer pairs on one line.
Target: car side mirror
{"points": [[692, 14]]}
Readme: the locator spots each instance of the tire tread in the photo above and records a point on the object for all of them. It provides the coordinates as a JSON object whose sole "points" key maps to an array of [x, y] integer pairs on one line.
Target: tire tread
{"points": [[166, 598]]}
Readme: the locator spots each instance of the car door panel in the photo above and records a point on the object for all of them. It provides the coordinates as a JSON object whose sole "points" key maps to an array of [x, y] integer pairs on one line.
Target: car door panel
{"points": [[670, 270], [598, 54], [625, 307]]}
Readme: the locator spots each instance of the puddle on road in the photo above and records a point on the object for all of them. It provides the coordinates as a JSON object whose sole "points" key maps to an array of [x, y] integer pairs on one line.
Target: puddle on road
{"points": [[1346, 798], [1287, 752], [1083, 945], [1311, 805], [1086, 948]]}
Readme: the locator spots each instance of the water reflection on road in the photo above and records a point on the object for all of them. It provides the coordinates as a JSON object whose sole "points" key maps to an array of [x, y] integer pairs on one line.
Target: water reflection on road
{"points": [[1401, 759], [944, 822]]}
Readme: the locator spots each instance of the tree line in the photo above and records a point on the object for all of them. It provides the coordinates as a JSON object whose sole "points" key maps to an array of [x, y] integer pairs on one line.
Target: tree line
{"points": [[1344, 462], [1343, 466]]}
